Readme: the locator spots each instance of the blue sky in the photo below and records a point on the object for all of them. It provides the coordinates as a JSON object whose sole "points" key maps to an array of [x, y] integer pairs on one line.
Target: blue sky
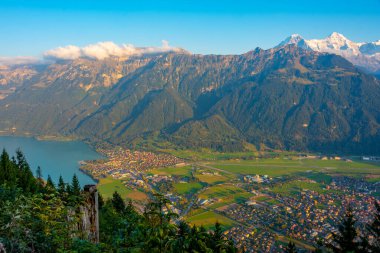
{"points": [[30, 27]]}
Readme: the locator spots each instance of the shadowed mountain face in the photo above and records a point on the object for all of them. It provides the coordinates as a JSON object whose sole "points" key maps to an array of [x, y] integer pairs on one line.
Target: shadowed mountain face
{"points": [[287, 98]]}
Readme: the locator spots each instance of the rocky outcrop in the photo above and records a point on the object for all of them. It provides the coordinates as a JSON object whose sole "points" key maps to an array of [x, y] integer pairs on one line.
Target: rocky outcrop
{"points": [[90, 214]]}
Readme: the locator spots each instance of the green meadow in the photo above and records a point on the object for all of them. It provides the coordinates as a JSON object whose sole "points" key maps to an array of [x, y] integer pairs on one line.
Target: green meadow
{"points": [[187, 188], [209, 218], [174, 171], [296, 186], [281, 167], [225, 194], [107, 186]]}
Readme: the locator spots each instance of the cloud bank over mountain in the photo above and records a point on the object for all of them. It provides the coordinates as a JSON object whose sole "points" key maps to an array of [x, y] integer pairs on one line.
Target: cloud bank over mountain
{"points": [[102, 50], [17, 60]]}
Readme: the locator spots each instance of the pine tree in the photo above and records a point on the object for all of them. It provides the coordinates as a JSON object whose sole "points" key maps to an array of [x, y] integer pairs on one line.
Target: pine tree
{"points": [[100, 201], [61, 186], [130, 209], [50, 183], [68, 191], [374, 229], [39, 173], [118, 202], [26, 180], [346, 239], [75, 186], [8, 173], [290, 248]]}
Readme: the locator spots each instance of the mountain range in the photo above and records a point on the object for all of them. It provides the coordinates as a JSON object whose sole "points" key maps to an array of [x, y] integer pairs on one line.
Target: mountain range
{"points": [[365, 55], [289, 97]]}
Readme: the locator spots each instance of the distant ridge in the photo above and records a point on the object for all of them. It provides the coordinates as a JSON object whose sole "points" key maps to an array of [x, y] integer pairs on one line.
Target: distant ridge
{"points": [[363, 54], [286, 97]]}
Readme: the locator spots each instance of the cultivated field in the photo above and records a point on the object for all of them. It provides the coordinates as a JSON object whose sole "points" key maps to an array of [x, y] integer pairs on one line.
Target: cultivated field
{"points": [[209, 218]]}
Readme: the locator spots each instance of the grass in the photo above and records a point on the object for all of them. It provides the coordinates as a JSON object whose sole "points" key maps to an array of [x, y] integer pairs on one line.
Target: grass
{"points": [[137, 195], [268, 200], [256, 169], [187, 188], [208, 220], [295, 186], [318, 177], [221, 191], [211, 179], [208, 155], [174, 171], [107, 186], [373, 179], [280, 167], [225, 194]]}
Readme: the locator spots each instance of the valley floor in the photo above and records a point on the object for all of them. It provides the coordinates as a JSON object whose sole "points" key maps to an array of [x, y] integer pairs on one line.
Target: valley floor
{"points": [[261, 202]]}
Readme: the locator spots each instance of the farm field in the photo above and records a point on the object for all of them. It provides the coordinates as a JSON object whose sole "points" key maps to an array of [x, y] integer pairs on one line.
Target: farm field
{"points": [[295, 186], [211, 179], [187, 188], [225, 194], [174, 171], [280, 167], [208, 220], [209, 155], [252, 169], [107, 186]]}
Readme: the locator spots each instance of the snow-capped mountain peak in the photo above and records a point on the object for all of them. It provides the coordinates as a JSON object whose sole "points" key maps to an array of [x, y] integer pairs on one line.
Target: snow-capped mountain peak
{"points": [[365, 55], [294, 39], [335, 43], [337, 36]]}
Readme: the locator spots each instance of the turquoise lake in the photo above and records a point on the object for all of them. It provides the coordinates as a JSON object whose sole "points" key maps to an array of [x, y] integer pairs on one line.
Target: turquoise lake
{"points": [[54, 157]]}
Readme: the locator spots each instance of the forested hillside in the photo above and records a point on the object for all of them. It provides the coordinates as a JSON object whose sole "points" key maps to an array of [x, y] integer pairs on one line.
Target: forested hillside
{"points": [[39, 216], [285, 98]]}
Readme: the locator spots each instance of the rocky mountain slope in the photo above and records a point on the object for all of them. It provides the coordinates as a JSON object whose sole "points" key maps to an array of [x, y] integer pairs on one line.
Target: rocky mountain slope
{"points": [[287, 97]]}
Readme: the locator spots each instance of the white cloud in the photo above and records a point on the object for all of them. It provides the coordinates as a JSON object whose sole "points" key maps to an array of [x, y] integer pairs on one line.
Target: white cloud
{"points": [[17, 60], [106, 49], [68, 53]]}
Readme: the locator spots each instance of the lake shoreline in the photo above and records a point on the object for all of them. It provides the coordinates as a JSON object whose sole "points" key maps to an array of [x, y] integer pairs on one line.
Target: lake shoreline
{"points": [[56, 156]]}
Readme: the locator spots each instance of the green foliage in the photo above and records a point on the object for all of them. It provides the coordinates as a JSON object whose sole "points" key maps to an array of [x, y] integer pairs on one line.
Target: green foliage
{"points": [[290, 248], [75, 186], [347, 238], [43, 218], [154, 231], [33, 214], [374, 229], [118, 203]]}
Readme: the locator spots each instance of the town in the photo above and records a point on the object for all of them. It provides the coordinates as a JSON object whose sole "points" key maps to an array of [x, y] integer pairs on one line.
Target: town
{"points": [[302, 198]]}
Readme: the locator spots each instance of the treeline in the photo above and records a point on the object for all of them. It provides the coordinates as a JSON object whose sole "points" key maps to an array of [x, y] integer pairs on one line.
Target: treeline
{"points": [[39, 216]]}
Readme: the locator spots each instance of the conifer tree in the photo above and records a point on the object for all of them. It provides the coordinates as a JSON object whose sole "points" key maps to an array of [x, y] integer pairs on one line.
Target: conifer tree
{"points": [[26, 179], [75, 186], [61, 186], [290, 248], [118, 202], [68, 189], [39, 173], [50, 183], [130, 208], [8, 173], [374, 229], [100, 201], [346, 240]]}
